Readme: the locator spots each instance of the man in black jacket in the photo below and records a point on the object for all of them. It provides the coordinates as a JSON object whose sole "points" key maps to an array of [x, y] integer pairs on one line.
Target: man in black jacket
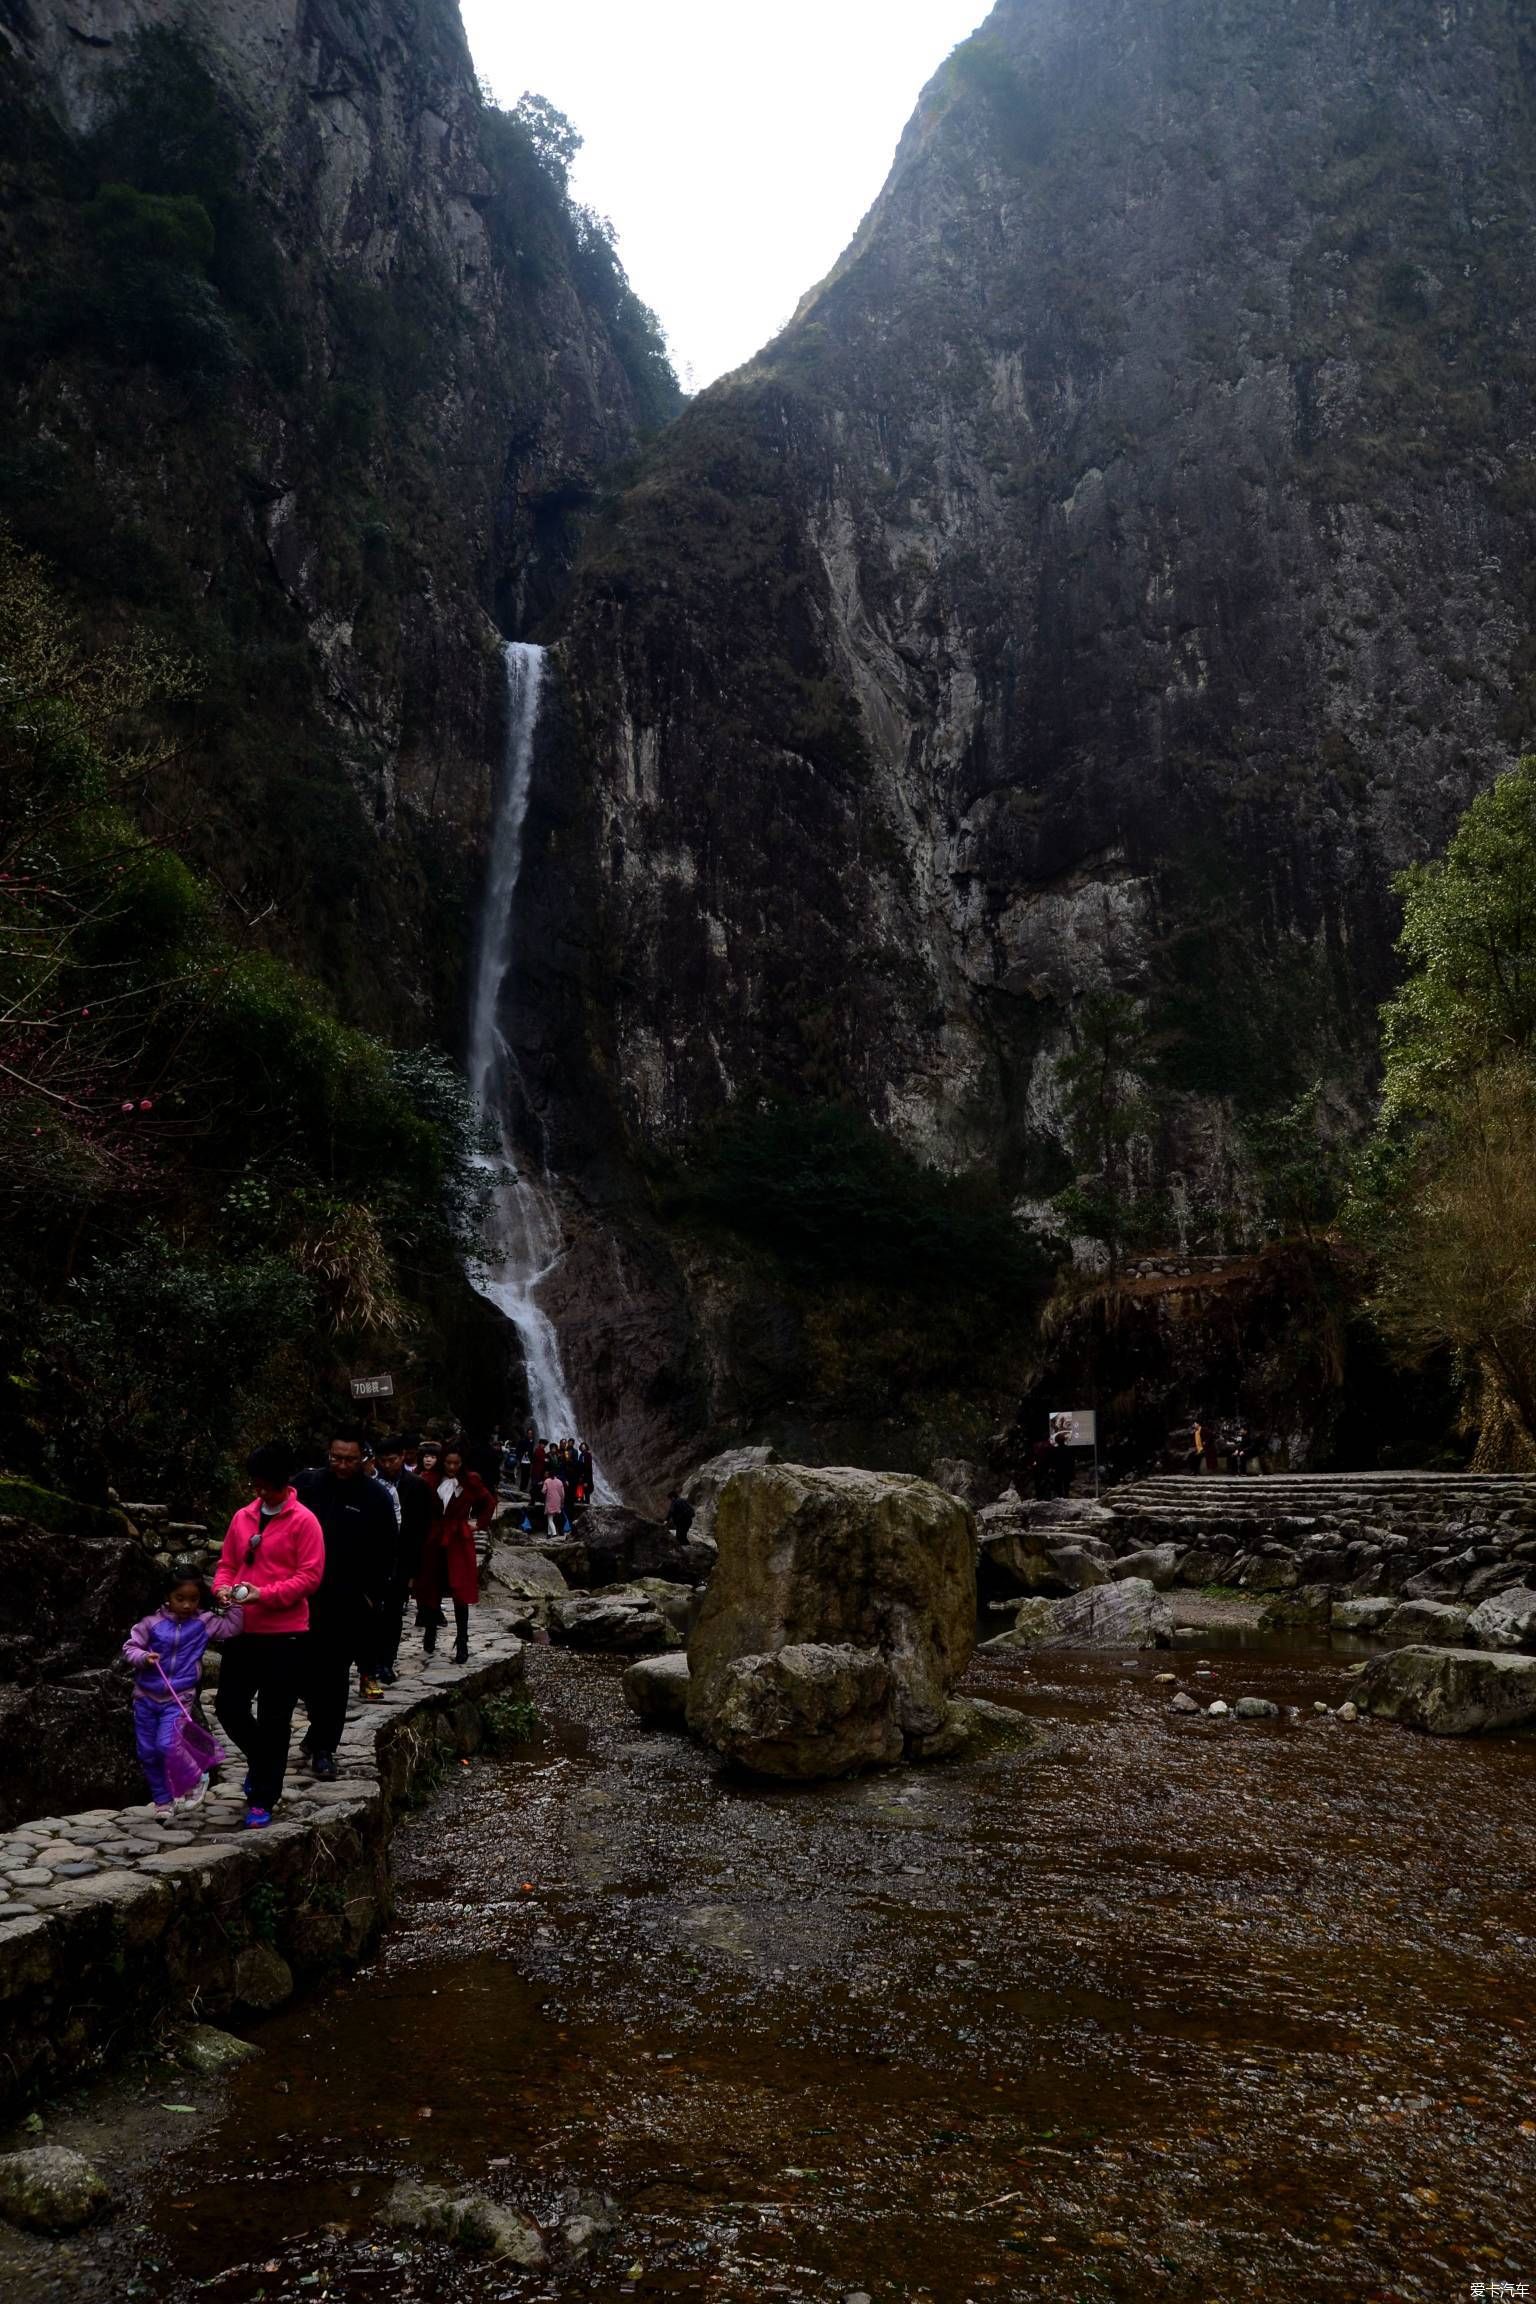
{"points": [[419, 1508], [362, 1546], [679, 1517]]}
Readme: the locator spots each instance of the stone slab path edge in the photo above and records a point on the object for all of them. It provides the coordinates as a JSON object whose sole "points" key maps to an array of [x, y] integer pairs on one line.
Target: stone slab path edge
{"points": [[113, 1920]]}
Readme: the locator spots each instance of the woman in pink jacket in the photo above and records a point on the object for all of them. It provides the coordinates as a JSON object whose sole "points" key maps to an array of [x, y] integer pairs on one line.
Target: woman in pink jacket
{"points": [[273, 1558]]}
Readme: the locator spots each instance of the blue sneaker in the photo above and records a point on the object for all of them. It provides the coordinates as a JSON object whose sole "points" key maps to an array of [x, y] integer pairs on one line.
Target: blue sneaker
{"points": [[257, 1819]]}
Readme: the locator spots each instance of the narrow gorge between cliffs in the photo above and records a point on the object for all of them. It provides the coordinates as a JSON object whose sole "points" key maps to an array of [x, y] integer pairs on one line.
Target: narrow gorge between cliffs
{"points": [[950, 912]]}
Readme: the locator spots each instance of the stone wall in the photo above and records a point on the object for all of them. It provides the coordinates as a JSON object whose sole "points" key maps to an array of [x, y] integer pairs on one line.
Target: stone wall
{"points": [[112, 1922], [1299, 1538]]}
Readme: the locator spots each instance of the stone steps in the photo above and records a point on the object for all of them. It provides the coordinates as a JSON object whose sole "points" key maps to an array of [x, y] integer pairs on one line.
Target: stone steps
{"points": [[1425, 1503]]}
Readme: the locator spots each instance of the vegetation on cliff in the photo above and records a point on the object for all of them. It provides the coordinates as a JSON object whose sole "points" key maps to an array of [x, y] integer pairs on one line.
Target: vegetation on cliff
{"points": [[868, 1292], [210, 1186]]}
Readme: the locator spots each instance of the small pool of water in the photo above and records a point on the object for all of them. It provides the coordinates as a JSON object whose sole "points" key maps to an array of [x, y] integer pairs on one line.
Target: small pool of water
{"points": [[1161, 2008]]}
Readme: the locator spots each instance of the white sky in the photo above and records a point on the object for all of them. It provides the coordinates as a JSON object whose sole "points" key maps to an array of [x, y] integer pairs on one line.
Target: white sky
{"points": [[735, 144]]}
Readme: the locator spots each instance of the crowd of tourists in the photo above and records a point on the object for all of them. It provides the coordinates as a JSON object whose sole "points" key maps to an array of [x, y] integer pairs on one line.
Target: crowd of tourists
{"points": [[313, 1583], [1213, 1446], [553, 1477]]}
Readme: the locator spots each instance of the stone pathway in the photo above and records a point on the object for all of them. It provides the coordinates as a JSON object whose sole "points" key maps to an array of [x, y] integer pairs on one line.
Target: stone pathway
{"points": [[85, 1898], [42, 1862]]}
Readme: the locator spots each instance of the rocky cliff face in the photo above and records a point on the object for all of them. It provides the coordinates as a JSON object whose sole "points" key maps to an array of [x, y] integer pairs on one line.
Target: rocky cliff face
{"points": [[327, 425], [1006, 701], [999, 709]]}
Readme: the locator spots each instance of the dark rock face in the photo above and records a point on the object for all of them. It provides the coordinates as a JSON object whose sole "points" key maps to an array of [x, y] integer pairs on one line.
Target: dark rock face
{"points": [[66, 1737], [419, 375], [621, 1544], [1114, 572]]}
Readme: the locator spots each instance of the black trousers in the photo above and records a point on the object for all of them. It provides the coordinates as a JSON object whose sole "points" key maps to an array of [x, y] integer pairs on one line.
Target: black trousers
{"points": [[460, 1626], [391, 1622], [259, 1679], [337, 1637]]}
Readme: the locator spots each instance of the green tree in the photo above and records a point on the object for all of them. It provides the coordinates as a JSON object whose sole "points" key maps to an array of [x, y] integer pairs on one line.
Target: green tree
{"points": [[555, 139], [1469, 944], [1457, 1246], [1446, 1195]]}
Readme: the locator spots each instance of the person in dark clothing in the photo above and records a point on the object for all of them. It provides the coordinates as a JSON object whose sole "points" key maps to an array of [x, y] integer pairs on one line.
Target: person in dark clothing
{"points": [[1061, 1465], [484, 1458], [362, 1545], [419, 1511], [451, 1563], [680, 1517]]}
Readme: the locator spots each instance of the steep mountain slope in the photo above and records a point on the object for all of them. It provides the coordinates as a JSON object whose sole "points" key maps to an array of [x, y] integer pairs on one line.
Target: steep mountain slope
{"points": [[1005, 702], [307, 359], [308, 363]]}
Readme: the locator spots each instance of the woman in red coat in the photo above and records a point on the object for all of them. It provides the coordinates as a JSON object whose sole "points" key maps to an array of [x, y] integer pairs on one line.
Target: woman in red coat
{"points": [[449, 1563]]}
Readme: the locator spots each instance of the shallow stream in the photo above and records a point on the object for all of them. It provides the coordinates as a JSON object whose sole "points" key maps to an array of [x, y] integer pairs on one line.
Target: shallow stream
{"points": [[1160, 2008]]}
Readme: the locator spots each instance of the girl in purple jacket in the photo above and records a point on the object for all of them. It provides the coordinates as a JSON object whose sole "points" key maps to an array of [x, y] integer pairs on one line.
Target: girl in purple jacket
{"points": [[166, 1652]]}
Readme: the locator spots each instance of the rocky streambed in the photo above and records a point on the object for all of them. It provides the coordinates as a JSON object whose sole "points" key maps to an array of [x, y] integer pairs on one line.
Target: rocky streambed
{"points": [[1156, 2006]]}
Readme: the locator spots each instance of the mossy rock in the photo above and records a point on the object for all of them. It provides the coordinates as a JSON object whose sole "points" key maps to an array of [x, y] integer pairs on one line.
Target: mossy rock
{"points": [[60, 1515], [204, 2048]]}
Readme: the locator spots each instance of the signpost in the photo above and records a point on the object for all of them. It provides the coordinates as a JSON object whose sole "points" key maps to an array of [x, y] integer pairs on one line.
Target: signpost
{"points": [[373, 1387], [1078, 1428]]}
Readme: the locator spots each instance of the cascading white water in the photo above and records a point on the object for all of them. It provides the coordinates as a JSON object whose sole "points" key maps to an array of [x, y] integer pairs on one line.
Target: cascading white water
{"points": [[521, 1241]]}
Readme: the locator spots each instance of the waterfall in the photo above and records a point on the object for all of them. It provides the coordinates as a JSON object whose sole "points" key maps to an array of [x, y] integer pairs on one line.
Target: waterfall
{"points": [[520, 1240]]}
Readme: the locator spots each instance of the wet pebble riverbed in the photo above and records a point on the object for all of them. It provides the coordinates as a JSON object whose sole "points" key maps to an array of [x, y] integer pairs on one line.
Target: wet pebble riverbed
{"points": [[1160, 2008]]}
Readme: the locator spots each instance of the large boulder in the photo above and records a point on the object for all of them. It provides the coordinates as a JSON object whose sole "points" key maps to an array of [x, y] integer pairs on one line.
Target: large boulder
{"points": [[1426, 1624], [621, 1544], [1207, 1562], [806, 1712], [972, 1726], [1494, 1576], [1506, 1621], [617, 1621], [1126, 1615], [1012, 1559], [853, 1570], [679, 1603], [1025, 1547], [1156, 1564], [1078, 1567], [1362, 1619], [204, 2048], [1272, 1570], [263, 1978], [657, 1689], [51, 2189], [530, 1579], [957, 1476], [705, 1487], [1450, 1691]]}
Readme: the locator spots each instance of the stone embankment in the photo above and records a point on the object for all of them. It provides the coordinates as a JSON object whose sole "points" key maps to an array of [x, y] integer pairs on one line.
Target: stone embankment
{"points": [[1415, 1536], [1434, 1567], [113, 1920]]}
